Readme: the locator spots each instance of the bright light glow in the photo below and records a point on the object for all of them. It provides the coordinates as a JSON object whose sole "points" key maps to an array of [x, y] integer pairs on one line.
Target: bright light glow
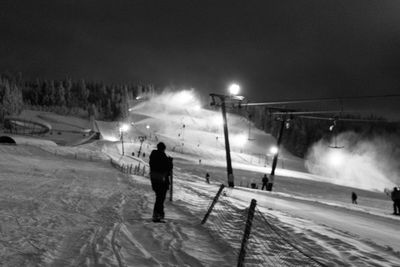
{"points": [[196, 107], [110, 138], [273, 150], [183, 97], [239, 140], [124, 128], [335, 158], [138, 97], [234, 89], [147, 126]]}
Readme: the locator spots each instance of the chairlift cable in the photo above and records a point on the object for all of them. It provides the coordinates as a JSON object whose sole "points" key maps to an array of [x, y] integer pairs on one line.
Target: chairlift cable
{"points": [[319, 100]]}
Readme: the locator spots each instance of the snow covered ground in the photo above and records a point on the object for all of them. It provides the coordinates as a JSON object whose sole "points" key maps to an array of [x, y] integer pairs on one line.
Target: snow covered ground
{"points": [[60, 211], [68, 206]]}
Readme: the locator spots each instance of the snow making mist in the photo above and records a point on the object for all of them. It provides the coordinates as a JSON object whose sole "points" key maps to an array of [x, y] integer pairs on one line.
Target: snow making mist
{"points": [[366, 163], [179, 116]]}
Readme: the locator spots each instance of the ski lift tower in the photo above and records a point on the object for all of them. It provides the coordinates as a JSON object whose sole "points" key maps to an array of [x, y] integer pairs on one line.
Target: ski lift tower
{"points": [[222, 100]]}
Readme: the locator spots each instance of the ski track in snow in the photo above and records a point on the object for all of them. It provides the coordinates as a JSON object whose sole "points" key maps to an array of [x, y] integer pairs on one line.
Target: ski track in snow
{"points": [[56, 211], [77, 213]]}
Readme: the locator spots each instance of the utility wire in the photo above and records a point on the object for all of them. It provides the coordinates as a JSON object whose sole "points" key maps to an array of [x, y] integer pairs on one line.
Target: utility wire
{"points": [[310, 100]]}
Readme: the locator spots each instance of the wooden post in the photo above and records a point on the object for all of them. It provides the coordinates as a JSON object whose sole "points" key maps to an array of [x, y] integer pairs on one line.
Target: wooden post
{"points": [[246, 233], [213, 204]]}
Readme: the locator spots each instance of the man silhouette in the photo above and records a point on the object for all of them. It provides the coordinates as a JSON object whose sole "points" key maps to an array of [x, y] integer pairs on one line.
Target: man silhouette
{"points": [[160, 170], [264, 182]]}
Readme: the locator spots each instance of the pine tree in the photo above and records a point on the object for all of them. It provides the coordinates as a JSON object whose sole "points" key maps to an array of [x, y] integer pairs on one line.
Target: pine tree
{"points": [[45, 93], [67, 92], [60, 95], [83, 94], [124, 103], [12, 99], [52, 93]]}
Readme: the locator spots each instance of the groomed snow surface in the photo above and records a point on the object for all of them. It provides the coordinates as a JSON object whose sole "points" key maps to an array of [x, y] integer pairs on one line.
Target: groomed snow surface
{"points": [[73, 206], [67, 206]]}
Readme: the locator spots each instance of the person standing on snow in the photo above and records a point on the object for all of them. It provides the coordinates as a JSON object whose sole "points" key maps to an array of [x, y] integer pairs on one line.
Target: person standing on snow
{"points": [[207, 178], [160, 170], [264, 182], [353, 198], [396, 201]]}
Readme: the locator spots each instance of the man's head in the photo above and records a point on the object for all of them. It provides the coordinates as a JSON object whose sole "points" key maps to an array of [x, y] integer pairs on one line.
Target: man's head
{"points": [[161, 146]]}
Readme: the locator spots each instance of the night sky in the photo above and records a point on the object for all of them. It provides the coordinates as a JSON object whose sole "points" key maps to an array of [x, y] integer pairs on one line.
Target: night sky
{"points": [[274, 49]]}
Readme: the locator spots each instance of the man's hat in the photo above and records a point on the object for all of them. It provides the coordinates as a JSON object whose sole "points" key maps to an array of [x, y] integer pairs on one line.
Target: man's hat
{"points": [[161, 146]]}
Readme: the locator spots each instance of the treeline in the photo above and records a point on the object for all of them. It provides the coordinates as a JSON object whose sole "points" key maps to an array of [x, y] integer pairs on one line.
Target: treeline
{"points": [[105, 102], [300, 133]]}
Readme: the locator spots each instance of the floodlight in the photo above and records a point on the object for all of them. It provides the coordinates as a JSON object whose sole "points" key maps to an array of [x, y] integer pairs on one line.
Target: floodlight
{"points": [[273, 150], [335, 158], [240, 139], [234, 89], [124, 128]]}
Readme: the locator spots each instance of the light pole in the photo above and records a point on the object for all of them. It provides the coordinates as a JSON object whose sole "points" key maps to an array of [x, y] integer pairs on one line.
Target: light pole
{"points": [[275, 151], [233, 90], [122, 129], [141, 139], [148, 130]]}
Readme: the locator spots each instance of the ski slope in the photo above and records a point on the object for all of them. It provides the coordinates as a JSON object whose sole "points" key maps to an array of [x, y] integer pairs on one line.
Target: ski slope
{"points": [[60, 211], [68, 206]]}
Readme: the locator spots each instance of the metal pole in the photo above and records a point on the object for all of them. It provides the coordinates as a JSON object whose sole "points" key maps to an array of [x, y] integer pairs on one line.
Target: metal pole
{"points": [[213, 204], [275, 160], [122, 141], [246, 233], [171, 189], [227, 147]]}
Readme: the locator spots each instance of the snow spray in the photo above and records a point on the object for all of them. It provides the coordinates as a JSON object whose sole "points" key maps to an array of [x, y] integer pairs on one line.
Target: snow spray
{"points": [[367, 163]]}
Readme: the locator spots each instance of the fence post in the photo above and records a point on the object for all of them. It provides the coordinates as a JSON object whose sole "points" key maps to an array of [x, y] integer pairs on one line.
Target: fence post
{"points": [[246, 233], [213, 204]]}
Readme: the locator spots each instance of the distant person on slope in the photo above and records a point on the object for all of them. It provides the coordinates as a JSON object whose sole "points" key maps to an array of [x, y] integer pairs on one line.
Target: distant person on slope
{"points": [[264, 182], [353, 197], [160, 170], [396, 201], [207, 178]]}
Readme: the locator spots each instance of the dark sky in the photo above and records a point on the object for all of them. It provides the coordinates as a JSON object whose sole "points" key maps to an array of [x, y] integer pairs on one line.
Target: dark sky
{"points": [[274, 49]]}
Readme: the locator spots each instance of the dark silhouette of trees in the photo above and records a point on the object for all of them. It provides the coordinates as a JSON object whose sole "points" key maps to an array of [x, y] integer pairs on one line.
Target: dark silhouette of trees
{"points": [[106, 102], [303, 132], [10, 97]]}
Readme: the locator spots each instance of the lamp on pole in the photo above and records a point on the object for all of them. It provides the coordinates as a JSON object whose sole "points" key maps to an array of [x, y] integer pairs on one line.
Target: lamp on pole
{"points": [[148, 131], [275, 150], [122, 129], [141, 139], [233, 90]]}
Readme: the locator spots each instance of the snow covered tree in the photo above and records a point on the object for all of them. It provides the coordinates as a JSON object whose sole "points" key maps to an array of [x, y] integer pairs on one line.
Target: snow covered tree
{"points": [[52, 93], [12, 98], [67, 92], [59, 94], [83, 94]]}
